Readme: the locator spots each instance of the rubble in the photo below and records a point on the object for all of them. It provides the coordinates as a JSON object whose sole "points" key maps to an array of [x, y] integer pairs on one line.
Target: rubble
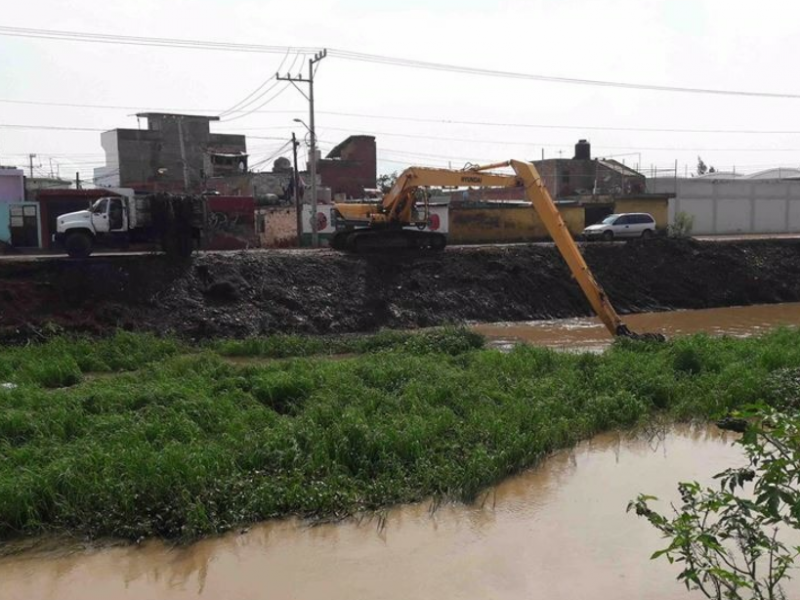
{"points": [[261, 292]]}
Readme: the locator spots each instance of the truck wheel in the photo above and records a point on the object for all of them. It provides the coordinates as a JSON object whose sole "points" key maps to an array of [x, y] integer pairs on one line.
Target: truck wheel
{"points": [[78, 244]]}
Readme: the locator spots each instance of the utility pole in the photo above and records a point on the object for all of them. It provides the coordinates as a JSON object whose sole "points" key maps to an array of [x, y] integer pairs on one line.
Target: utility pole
{"points": [[30, 163], [312, 131], [295, 183], [77, 180]]}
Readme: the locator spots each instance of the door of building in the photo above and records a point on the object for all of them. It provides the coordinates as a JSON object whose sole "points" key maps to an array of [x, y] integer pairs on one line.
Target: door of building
{"points": [[24, 222], [594, 213]]}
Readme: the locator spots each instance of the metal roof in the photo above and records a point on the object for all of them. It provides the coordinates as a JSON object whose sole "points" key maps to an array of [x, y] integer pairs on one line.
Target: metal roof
{"points": [[777, 173], [617, 166]]}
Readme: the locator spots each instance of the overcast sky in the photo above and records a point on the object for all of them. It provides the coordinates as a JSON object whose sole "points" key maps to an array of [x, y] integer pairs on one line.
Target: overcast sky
{"points": [[732, 44]]}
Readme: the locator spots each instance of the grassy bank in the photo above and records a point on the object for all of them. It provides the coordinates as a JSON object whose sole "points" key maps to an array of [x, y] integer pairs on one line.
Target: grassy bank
{"points": [[178, 441]]}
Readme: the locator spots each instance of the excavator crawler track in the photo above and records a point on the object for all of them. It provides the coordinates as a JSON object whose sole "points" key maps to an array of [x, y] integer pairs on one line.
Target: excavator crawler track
{"points": [[361, 241]]}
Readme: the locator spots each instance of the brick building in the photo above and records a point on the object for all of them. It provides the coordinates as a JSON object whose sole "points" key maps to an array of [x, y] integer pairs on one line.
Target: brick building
{"points": [[350, 168], [175, 153]]}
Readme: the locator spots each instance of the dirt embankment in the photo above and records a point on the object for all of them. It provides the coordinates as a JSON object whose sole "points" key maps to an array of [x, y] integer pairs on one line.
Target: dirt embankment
{"points": [[267, 292]]}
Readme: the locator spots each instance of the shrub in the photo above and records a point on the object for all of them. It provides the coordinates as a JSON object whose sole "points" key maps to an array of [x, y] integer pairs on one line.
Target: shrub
{"points": [[682, 225]]}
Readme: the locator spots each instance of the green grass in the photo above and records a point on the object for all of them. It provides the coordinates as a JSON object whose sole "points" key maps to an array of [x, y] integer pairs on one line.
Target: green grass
{"points": [[187, 443], [449, 340]]}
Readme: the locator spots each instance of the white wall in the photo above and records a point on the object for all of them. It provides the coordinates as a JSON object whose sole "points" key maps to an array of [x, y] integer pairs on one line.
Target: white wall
{"points": [[736, 206], [440, 219]]}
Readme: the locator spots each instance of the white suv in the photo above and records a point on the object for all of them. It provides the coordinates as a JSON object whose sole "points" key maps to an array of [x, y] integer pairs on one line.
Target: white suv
{"points": [[623, 225]]}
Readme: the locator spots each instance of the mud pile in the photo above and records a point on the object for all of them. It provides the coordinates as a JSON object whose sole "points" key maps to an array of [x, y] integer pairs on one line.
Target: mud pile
{"points": [[325, 292]]}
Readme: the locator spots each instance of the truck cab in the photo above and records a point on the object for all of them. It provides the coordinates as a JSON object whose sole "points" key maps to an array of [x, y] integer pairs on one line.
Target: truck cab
{"points": [[108, 217]]}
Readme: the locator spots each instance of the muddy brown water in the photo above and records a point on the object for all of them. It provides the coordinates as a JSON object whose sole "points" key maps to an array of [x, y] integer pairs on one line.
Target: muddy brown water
{"points": [[557, 531], [590, 334]]}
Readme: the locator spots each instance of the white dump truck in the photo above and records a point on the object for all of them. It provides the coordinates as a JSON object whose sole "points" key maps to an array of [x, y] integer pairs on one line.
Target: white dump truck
{"points": [[174, 222]]}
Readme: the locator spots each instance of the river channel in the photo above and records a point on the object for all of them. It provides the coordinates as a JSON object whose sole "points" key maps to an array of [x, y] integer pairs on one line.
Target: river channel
{"points": [[588, 333], [559, 530]]}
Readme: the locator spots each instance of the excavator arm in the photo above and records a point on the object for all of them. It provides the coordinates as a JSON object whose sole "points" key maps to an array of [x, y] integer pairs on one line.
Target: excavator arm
{"points": [[539, 197], [383, 222]]}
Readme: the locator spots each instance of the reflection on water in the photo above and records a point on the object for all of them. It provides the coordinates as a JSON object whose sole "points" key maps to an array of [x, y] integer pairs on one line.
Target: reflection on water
{"points": [[557, 531], [589, 334]]}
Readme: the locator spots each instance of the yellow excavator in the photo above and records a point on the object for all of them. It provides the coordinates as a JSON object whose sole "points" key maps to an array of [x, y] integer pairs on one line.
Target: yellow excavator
{"points": [[396, 222]]}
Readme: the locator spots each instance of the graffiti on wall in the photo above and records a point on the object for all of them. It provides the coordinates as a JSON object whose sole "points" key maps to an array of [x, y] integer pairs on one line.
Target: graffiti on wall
{"points": [[231, 223]]}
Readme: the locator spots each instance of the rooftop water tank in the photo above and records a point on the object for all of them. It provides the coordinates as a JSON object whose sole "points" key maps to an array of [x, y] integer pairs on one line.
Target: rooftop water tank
{"points": [[583, 150]]}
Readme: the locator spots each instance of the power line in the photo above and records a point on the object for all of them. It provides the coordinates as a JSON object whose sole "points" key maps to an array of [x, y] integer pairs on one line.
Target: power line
{"points": [[267, 101], [254, 92], [415, 120], [258, 137], [115, 107], [275, 78], [372, 58], [242, 108], [442, 157], [76, 36], [549, 126], [275, 155], [435, 138], [419, 64], [535, 145], [49, 127]]}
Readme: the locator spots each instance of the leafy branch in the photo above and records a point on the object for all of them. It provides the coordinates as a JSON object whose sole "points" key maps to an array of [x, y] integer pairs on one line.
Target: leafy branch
{"points": [[726, 540]]}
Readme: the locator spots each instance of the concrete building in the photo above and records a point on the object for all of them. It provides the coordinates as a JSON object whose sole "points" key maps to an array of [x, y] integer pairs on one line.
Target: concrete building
{"points": [[582, 175], [579, 178], [175, 153]]}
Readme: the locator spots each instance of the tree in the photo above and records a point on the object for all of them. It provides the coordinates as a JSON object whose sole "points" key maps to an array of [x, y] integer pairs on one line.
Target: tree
{"points": [[728, 540], [386, 181], [702, 168]]}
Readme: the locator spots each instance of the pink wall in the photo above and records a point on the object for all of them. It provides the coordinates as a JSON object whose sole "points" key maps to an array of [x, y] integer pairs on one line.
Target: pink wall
{"points": [[12, 185]]}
